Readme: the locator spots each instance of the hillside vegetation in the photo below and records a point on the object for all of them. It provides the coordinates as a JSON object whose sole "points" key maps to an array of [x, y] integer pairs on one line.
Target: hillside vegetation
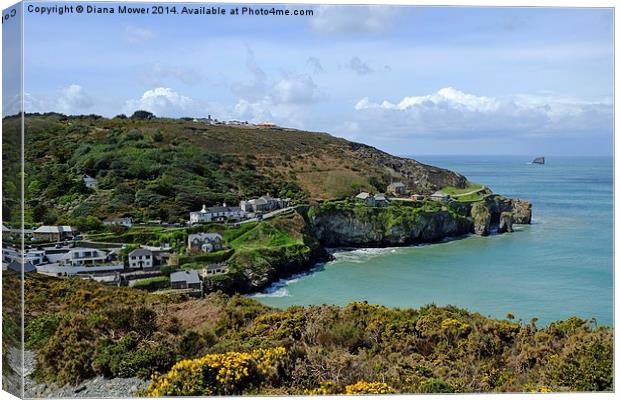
{"points": [[235, 345], [163, 168]]}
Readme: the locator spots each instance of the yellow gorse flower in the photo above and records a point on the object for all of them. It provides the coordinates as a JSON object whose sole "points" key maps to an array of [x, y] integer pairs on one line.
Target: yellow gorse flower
{"points": [[363, 387], [218, 374]]}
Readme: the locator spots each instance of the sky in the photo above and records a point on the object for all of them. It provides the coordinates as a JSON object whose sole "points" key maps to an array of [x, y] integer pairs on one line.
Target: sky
{"points": [[408, 80]]}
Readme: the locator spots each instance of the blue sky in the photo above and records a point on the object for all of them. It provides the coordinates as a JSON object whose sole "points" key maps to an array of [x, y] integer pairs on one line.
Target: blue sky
{"points": [[409, 80]]}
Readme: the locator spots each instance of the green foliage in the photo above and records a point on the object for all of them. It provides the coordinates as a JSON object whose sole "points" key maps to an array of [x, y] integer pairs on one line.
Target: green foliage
{"points": [[152, 284]]}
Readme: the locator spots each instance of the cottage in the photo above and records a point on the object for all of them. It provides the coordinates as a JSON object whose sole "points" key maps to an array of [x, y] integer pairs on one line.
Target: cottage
{"points": [[397, 188], [263, 204], [204, 242], [366, 198], [186, 279], [381, 200], [125, 221], [141, 259], [214, 269], [53, 233], [90, 182], [211, 214]]}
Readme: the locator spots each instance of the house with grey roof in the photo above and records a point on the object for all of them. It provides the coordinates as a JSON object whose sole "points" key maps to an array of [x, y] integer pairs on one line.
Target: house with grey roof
{"points": [[216, 214], [53, 233], [205, 242], [186, 279], [397, 188], [141, 259], [377, 200]]}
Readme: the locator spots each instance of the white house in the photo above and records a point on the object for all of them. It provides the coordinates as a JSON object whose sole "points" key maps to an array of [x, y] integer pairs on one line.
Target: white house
{"points": [[90, 182], [82, 256], [141, 259], [205, 242], [212, 214], [126, 221]]}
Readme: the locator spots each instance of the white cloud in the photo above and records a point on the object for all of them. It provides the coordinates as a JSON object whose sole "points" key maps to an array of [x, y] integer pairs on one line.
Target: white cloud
{"points": [[134, 34], [74, 99], [358, 66], [357, 19], [163, 102], [451, 112], [285, 102]]}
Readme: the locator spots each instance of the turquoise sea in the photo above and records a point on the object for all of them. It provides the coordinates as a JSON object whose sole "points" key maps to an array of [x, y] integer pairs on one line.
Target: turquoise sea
{"points": [[560, 266]]}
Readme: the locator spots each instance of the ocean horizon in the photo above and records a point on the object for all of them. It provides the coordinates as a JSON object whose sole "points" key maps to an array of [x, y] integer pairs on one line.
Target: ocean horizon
{"points": [[558, 267]]}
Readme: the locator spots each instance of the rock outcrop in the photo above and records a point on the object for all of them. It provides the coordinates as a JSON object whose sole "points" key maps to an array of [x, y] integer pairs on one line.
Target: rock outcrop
{"points": [[505, 222], [481, 216], [377, 227]]}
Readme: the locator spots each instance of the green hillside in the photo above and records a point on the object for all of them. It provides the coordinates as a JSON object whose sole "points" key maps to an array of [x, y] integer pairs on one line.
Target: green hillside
{"points": [[164, 168]]}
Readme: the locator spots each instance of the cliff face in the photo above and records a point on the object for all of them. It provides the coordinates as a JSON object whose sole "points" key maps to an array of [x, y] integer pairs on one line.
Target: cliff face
{"points": [[357, 226], [375, 227]]}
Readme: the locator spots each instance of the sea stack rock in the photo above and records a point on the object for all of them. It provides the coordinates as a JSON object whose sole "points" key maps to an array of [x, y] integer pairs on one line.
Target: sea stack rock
{"points": [[505, 222], [481, 215], [521, 212]]}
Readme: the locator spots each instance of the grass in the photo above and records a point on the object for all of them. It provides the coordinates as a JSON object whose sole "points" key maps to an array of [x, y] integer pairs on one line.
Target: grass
{"points": [[158, 282], [453, 191]]}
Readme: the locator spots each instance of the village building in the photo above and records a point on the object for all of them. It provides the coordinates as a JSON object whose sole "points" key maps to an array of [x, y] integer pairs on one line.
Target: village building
{"points": [[263, 204], [381, 200], [90, 182], [141, 259], [205, 242], [81, 256], [214, 269], [186, 279], [216, 214], [53, 233], [125, 221], [378, 200], [397, 188], [366, 198]]}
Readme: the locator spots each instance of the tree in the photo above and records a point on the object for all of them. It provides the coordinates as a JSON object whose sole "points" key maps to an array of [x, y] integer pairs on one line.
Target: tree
{"points": [[142, 115]]}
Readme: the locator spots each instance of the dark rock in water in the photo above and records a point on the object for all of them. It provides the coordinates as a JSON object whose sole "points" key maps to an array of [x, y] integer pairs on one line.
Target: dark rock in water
{"points": [[539, 160], [505, 222], [481, 215]]}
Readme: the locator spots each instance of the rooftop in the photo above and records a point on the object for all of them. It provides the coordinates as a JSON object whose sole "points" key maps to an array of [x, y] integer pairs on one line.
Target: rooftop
{"points": [[189, 276]]}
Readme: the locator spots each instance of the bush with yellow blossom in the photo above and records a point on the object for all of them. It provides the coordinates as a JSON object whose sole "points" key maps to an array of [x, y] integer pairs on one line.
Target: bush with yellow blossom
{"points": [[230, 373], [363, 387]]}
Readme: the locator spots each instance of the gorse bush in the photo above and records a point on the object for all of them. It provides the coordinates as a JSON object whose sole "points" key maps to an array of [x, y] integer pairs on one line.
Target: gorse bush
{"points": [[232, 345], [231, 373], [363, 387]]}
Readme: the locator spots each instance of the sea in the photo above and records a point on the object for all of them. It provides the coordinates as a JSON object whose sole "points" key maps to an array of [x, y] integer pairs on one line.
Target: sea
{"points": [[559, 266]]}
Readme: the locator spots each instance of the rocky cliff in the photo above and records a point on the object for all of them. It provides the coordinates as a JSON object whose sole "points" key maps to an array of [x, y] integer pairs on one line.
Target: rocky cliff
{"points": [[342, 225]]}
